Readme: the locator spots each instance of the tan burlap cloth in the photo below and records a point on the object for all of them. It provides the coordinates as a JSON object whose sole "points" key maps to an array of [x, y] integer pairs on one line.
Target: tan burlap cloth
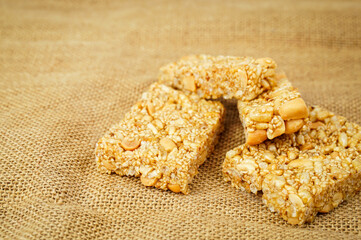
{"points": [[71, 69]]}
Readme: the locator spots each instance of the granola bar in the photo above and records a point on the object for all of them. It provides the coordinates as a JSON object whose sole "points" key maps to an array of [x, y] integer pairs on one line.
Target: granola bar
{"points": [[273, 113], [303, 173], [163, 140], [243, 78]]}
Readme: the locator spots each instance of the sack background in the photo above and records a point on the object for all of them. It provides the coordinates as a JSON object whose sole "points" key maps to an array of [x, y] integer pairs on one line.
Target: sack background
{"points": [[71, 69]]}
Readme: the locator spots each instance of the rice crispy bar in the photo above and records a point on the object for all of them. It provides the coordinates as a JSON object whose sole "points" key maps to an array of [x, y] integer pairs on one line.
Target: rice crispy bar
{"points": [[163, 140], [273, 113], [243, 78], [303, 173]]}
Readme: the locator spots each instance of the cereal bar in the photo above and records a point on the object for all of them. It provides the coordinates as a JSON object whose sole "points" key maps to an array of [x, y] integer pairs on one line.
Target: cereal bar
{"points": [[303, 173], [243, 78], [273, 113], [163, 140]]}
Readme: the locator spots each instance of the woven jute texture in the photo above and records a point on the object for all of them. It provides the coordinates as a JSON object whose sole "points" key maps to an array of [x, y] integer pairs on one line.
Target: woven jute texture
{"points": [[71, 69]]}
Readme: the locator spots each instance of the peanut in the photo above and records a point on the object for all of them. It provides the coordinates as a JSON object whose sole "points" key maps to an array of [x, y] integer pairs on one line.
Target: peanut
{"points": [[293, 220], [247, 167], [322, 114], [277, 104], [279, 130], [130, 144], [270, 73], [305, 196], [150, 109], [279, 181], [296, 200], [108, 165], [306, 146], [342, 139], [259, 116], [293, 125], [189, 83], [315, 125], [147, 118], [148, 181], [293, 109], [159, 123], [278, 93], [174, 188], [256, 137], [145, 169], [269, 157], [337, 172], [301, 163], [152, 128], [261, 125], [265, 84], [167, 144], [292, 155], [326, 208], [357, 164], [244, 78], [337, 199]]}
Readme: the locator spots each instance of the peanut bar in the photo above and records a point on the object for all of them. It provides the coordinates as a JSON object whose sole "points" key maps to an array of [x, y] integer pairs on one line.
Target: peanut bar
{"points": [[163, 140], [243, 78], [303, 173]]}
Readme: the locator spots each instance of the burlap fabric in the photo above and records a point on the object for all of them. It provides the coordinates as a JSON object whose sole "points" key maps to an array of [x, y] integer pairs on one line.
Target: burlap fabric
{"points": [[71, 69]]}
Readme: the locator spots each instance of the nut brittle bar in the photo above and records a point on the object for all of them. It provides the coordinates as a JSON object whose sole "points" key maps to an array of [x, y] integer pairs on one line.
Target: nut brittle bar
{"points": [[243, 78], [303, 173], [273, 113], [163, 140]]}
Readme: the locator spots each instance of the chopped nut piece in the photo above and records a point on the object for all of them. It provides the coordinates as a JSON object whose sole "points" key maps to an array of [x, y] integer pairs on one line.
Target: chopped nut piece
{"points": [[189, 84], [342, 139], [277, 127], [337, 199], [260, 116], [256, 137], [357, 164], [146, 118], [152, 128], [269, 157], [296, 200], [300, 163], [159, 124], [150, 108], [146, 146], [167, 144], [315, 125], [174, 188], [262, 126], [130, 143], [326, 208], [243, 78], [292, 155], [306, 146], [301, 174], [265, 84], [293, 126], [322, 114], [264, 112], [247, 167], [109, 165], [294, 109], [148, 181]]}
